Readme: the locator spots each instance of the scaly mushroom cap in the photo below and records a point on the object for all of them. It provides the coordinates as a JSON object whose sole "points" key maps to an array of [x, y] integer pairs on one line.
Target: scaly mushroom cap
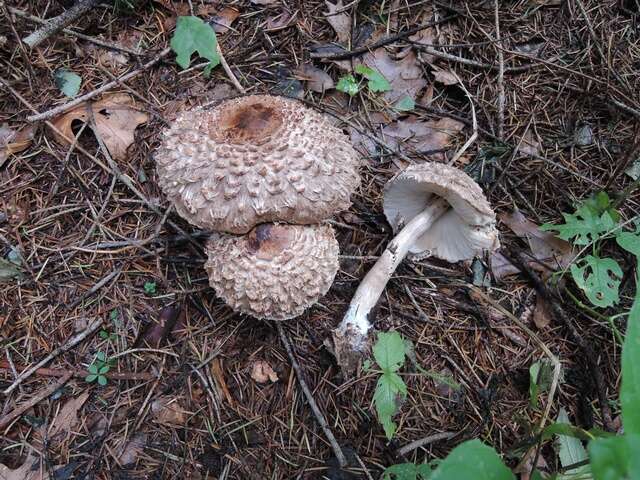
{"points": [[464, 231], [256, 159], [276, 271]]}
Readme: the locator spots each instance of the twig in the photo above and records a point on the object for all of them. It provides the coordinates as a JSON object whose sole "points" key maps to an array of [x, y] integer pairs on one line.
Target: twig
{"points": [[382, 42], [474, 124], [103, 43], [81, 373], [58, 23], [229, 72], [342, 460], [560, 315], [501, 98], [16, 412], [423, 442], [54, 112], [101, 283], [91, 328]]}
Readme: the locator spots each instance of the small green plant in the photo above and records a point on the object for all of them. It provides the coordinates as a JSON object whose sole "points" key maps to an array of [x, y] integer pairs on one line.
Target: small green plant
{"points": [[375, 80], [99, 369], [67, 82], [103, 334], [375, 83], [348, 84], [150, 288], [193, 35], [540, 376]]}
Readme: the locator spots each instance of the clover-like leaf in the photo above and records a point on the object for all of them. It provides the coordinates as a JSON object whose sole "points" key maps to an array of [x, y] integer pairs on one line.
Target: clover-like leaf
{"points": [[192, 35], [90, 378], [599, 279], [376, 82], [102, 380], [104, 369]]}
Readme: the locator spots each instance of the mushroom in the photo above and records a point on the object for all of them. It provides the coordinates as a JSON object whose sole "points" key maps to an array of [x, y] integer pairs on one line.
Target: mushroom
{"points": [[256, 159], [435, 210], [275, 271]]}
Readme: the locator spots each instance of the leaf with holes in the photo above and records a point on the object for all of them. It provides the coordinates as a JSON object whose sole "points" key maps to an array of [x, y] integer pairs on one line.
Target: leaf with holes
{"points": [[193, 35], [599, 279]]}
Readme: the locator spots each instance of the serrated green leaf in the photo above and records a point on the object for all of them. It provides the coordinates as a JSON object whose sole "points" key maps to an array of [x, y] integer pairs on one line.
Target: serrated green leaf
{"points": [[405, 103], [389, 351], [389, 389], [615, 458], [348, 84], [68, 82], [585, 226], [629, 241], [570, 449], [376, 82], [630, 388], [599, 279], [102, 380], [600, 203], [193, 35], [472, 460]]}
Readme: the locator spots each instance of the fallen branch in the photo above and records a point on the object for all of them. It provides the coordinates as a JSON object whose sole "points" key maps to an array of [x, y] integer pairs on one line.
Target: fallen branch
{"points": [[342, 460], [16, 412], [56, 24], [91, 328]]}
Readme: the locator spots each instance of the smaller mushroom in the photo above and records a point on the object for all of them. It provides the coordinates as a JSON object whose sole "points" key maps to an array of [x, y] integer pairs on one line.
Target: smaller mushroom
{"points": [[274, 272], [436, 210]]}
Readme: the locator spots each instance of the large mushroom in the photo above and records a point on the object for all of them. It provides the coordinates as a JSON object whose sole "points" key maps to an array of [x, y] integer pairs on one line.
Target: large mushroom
{"points": [[436, 210], [256, 159], [263, 172]]}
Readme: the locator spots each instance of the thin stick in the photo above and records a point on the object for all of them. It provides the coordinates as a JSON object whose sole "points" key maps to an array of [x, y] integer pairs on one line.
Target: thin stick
{"points": [[16, 412], [56, 24], [342, 460], [91, 328], [101, 283], [501, 98], [423, 442], [229, 72], [105, 44], [54, 112], [474, 123], [81, 373]]}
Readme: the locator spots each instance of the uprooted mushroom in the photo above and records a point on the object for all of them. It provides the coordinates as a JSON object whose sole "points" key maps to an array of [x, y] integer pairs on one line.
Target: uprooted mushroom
{"points": [[436, 210], [245, 164]]}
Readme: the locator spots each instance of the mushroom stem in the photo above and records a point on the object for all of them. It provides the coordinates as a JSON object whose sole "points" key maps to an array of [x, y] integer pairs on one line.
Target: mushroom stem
{"points": [[355, 325]]}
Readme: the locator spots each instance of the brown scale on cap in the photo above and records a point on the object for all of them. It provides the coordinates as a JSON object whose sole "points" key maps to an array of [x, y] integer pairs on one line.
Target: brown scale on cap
{"points": [[254, 160], [276, 271]]}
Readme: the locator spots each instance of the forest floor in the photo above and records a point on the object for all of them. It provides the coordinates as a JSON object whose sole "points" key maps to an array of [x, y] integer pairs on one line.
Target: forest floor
{"points": [[555, 97]]}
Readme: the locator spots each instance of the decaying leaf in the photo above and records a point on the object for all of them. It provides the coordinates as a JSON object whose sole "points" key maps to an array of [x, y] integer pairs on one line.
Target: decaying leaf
{"points": [[529, 145], [222, 21], [133, 448], [280, 21], [32, 469], [340, 21], [14, 142], [541, 315], [115, 119], [67, 417], [168, 411], [445, 77], [262, 372], [317, 79], [422, 136]]}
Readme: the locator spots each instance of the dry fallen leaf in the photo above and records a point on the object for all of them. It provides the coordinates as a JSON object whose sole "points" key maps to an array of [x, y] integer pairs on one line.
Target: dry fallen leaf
{"points": [[341, 22], [116, 118], [168, 411], [222, 21], [14, 142], [262, 372], [422, 136], [317, 80], [132, 449], [541, 315], [445, 77], [280, 21], [529, 145], [31, 469], [67, 417]]}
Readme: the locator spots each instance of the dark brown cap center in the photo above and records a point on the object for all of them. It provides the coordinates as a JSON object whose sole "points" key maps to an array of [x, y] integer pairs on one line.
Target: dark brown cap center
{"points": [[248, 123], [267, 240]]}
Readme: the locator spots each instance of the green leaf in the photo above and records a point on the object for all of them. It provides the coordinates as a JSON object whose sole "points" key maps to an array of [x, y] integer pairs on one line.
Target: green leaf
{"points": [[599, 278], [600, 203], [102, 380], [405, 103], [348, 84], [472, 460], [114, 315], [101, 356], [194, 35], [567, 430], [615, 458], [376, 82], [540, 377], [629, 241], [150, 288], [90, 378], [585, 225], [407, 471], [570, 449], [389, 389], [389, 351], [68, 82], [630, 388], [104, 369], [93, 368]]}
